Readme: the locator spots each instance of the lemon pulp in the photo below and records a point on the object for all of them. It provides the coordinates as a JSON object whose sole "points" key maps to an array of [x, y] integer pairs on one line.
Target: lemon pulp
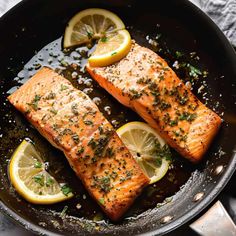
{"points": [[147, 147]]}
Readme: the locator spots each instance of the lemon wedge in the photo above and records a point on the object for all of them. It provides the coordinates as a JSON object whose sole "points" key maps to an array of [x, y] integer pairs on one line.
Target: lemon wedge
{"points": [[147, 147], [29, 177], [114, 42]]}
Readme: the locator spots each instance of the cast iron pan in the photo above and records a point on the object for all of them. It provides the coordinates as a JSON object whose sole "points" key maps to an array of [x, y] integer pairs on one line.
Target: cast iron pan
{"points": [[180, 26]]}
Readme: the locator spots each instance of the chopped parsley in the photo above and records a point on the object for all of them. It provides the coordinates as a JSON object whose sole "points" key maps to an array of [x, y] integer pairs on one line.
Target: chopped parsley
{"points": [[66, 190], [188, 116], [158, 161], [49, 182], [103, 183], [104, 39], [90, 35], [80, 151], [113, 175], [173, 122], [128, 175], [164, 105], [64, 87], [114, 53], [135, 94], [75, 138], [110, 152], [193, 71], [39, 179], [53, 110], [64, 63], [64, 211], [37, 164], [184, 138], [161, 152], [34, 102], [178, 54], [88, 122], [101, 200]]}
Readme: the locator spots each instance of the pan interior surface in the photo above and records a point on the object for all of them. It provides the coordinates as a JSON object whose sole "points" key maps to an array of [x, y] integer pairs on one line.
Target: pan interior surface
{"points": [[36, 41]]}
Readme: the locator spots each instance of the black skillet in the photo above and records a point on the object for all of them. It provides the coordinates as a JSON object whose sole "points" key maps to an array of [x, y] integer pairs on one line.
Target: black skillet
{"points": [[180, 26]]}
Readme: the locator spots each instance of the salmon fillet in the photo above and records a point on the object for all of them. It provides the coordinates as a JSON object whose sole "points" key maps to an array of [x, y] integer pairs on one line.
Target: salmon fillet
{"points": [[144, 82], [70, 121]]}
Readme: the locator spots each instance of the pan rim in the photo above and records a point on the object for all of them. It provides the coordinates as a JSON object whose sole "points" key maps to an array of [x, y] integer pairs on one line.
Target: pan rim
{"points": [[200, 206]]}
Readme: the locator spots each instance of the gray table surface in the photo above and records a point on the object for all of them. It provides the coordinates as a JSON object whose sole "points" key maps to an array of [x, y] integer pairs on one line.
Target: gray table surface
{"points": [[223, 12]]}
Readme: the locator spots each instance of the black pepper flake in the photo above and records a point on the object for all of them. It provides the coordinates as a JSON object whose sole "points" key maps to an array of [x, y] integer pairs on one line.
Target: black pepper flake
{"points": [[184, 138], [109, 152], [113, 175], [74, 109], [166, 118], [88, 122], [75, 138], [163, 105]]}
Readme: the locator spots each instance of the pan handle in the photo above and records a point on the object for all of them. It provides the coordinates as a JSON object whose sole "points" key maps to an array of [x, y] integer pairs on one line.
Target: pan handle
{"points": [[215, 222]]}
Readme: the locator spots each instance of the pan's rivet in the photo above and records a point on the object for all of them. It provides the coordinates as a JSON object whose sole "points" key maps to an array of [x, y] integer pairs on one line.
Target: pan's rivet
{"points": [[166, 219], [198, 197], [218, 170]]}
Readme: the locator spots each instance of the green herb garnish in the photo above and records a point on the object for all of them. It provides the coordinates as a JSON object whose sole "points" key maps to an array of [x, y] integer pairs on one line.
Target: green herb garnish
{"points": [[88, 122], [64, 87], [37, 164], [104, 39], [101, 201], [193, 71], [90, 35], [34, 102], [66, 190], [39, 179], [64, 211], [49, 181], [178, 54], [80, 151], [53, 110]]}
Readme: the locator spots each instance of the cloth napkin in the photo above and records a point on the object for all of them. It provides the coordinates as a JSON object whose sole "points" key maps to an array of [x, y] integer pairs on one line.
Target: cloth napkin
{"points": [[223, 13]]}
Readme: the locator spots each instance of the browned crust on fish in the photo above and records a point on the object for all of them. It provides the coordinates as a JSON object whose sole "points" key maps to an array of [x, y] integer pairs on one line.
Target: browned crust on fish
{"points": [[144, 82], [70, 121]]}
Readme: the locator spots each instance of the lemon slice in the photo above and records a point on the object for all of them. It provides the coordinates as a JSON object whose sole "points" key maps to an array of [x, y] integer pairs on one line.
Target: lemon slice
{"points": [[114, 41], [147, 147], [28, 175], [111, 49], [93, 23]]}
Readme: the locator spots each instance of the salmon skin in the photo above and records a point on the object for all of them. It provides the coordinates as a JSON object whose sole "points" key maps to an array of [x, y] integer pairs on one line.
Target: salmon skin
{"points": [[70, 121], [144, 82]]}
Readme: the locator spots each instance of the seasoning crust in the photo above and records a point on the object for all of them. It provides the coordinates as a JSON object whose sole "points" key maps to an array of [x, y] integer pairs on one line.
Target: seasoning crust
{"points": [[70, 121], [144, 82]]}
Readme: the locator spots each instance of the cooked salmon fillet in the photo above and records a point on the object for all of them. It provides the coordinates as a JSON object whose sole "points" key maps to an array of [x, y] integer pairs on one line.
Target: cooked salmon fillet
{"points": [[70, 121], [144, 82]]}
